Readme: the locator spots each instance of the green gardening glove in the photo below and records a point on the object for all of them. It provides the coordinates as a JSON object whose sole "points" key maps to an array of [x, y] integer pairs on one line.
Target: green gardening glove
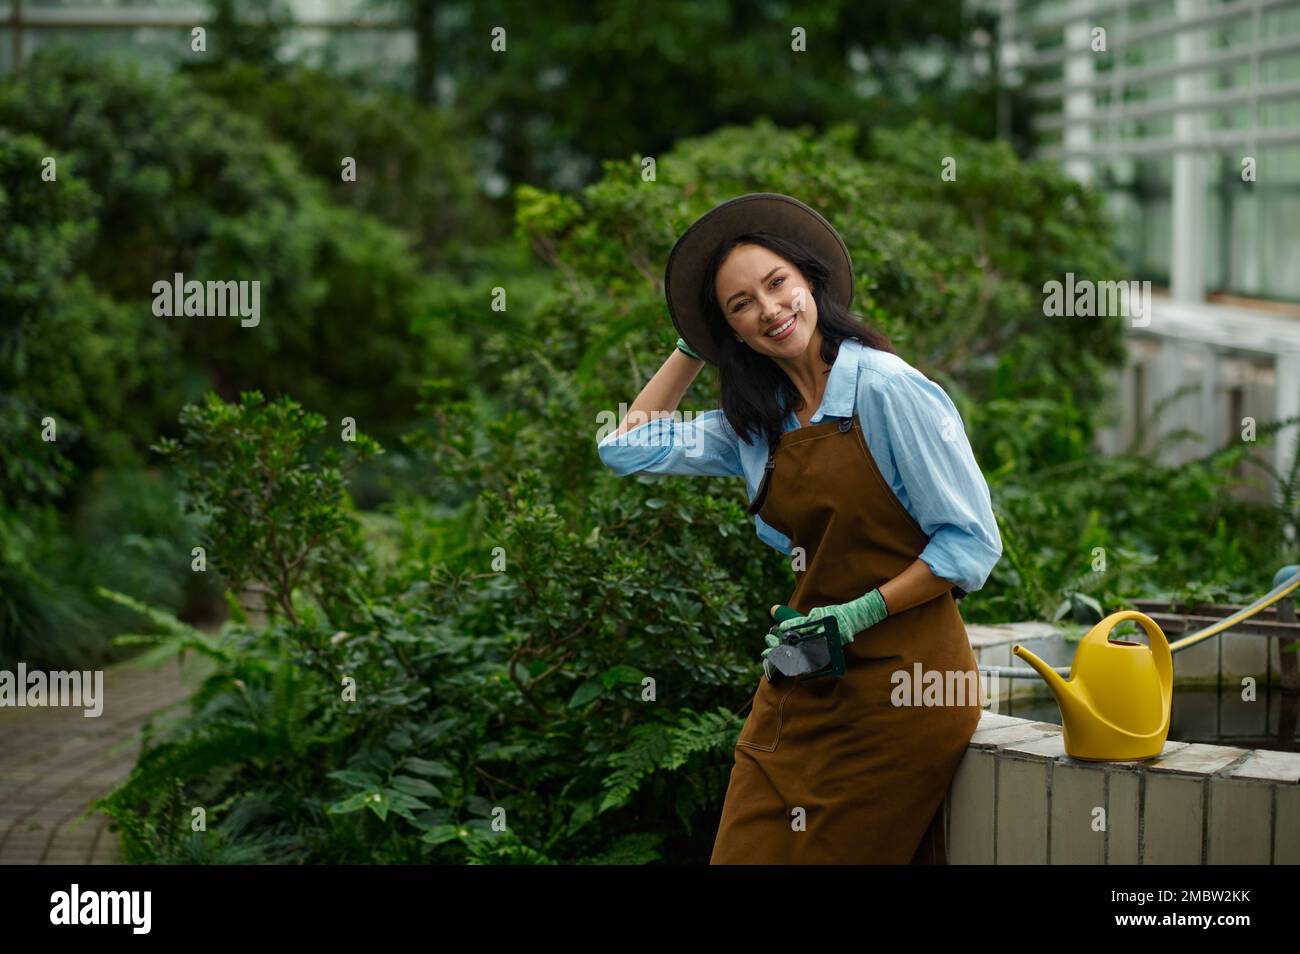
{"points": [[851, 618]]}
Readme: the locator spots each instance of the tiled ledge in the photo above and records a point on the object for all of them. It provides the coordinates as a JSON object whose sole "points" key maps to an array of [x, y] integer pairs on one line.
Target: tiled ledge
{"points": [[1017, 798]]}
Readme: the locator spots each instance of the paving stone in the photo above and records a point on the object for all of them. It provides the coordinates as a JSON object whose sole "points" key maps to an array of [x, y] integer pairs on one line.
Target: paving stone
{"points": [[55, 762]]}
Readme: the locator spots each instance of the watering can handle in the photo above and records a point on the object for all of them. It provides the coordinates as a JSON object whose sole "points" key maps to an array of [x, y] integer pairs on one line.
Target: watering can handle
{"points": [[1159, 645]]}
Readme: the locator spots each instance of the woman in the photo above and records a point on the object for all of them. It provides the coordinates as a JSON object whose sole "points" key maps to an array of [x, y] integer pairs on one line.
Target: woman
{"points": [[859, 468]]}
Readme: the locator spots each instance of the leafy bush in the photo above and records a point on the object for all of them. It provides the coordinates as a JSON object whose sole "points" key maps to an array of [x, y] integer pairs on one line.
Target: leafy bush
{"points": [[414, 167], [43, 620], [1107, 530], [245, 469], [153, 177], [129, 533], [82, 362], [183, 184], [51, 326], [475, 692]]}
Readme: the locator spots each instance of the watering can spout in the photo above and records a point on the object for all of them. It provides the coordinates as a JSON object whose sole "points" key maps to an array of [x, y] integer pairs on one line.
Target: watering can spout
{"points": [[1063, 691]]}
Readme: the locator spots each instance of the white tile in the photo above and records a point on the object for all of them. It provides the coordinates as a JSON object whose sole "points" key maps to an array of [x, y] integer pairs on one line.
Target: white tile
{"points": [[971, 810], [1171, 823], [1078, 815], [1240, 823], [1286, 826], [1196, 759], [1122, 815], [1021, 812]]}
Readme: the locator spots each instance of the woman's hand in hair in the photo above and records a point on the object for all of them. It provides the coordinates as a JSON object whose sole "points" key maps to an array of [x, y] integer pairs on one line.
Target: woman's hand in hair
{"points": [[663, 392]]}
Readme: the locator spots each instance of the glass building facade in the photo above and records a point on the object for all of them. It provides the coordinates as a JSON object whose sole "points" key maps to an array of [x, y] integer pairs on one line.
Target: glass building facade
{"points": [[1186, 113]]}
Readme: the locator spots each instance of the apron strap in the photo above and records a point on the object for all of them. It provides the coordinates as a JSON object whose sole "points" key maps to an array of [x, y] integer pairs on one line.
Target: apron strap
{"points": [[757, 505]]}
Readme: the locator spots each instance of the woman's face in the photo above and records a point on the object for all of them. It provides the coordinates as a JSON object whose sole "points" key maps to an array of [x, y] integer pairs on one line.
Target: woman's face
{"points": [[760, 292]]}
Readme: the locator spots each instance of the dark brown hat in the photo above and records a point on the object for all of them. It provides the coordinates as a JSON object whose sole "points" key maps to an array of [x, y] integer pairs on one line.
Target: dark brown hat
{"points": [[755, 212]]}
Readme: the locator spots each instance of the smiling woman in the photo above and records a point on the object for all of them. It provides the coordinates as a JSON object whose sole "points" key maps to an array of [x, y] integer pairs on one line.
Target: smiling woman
{"points": [[858, 467]]}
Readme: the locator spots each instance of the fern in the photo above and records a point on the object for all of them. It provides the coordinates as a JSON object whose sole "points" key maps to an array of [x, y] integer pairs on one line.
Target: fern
{"points": [[212, 746], [182, 635], [503, 848], [1145, 425], [658, 746], [1036, 597], [1288, 487], [136, 832], [638, 848]]}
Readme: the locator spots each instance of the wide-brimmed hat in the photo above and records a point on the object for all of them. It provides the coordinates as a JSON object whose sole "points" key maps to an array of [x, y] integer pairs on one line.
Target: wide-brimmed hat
{"points": [[755, 212]]}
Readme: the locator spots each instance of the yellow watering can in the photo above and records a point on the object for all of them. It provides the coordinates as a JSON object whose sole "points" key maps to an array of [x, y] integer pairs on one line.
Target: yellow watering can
{"points": [[1115, 705]]}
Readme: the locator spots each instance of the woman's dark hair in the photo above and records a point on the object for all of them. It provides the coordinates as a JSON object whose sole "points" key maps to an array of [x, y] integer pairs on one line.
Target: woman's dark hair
{"points": [[756, 394]]}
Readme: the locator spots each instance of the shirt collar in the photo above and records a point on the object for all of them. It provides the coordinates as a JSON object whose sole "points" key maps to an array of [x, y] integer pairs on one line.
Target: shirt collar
{"points": [[840, 398]]}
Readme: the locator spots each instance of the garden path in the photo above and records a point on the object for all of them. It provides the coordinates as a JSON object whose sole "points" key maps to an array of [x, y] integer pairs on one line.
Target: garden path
{"points": [[54, 761]]}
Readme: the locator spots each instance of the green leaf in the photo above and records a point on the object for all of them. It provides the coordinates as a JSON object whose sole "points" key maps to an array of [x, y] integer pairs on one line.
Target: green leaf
{"points": [[610, 335], [367, 780], [585, 693], [583, 813], [415, 786], [617, 674], [426, 767], [407, 802], [350, 804], [439, 834]]}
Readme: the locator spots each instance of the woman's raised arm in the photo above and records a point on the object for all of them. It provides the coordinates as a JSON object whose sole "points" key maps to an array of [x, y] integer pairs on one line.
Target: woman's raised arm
{"points": [[674, 443], [663, 392]]}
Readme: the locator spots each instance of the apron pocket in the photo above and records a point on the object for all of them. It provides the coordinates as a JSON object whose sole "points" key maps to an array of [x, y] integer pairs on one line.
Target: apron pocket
{"points": [[762, 729]]}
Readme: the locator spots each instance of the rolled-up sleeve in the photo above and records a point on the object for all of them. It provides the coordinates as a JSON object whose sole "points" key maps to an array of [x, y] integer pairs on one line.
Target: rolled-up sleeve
{"points": [[704, 445], [948, 494]]}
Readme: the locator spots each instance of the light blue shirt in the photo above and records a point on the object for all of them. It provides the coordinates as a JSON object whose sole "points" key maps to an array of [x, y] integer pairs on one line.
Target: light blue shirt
{"points": [[914, 434]]}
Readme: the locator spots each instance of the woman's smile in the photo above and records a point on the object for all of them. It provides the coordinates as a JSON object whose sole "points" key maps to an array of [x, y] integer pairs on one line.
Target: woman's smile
{"points": [[784, 329]]}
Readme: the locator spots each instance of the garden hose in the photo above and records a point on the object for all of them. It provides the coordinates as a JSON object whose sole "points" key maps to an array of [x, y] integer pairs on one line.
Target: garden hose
{"points": [[1290, 582]]}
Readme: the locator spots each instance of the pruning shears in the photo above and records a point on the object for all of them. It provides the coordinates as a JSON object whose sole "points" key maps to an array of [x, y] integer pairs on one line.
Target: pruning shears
{"points": [[809, 650]]}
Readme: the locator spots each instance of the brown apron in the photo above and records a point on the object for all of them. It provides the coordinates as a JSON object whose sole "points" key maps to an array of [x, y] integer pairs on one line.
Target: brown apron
{"points": [[870, 776]]}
